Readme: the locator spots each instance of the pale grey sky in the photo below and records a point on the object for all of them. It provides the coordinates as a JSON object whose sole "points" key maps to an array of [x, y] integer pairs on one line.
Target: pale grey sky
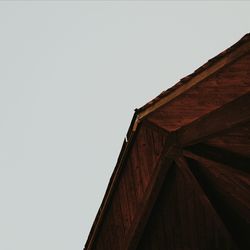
{"points": [[71, 74]]}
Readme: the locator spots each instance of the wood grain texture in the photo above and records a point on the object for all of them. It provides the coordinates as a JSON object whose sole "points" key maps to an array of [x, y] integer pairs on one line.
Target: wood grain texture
{"points": [[236, 140], [221, 155], [212, 66], [227, 189], [210, 94], [183, 218], [230, 115], [130, 192]]}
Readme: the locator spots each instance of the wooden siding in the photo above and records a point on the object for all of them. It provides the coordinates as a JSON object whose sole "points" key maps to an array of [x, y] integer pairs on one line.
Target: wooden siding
{"points": [[228, 190], [210, 94], [235, 141], [183, 218], [130, 190]]}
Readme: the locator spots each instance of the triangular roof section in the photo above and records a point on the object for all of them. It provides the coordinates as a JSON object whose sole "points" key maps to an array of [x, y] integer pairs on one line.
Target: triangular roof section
{"points": [[165, 133]]}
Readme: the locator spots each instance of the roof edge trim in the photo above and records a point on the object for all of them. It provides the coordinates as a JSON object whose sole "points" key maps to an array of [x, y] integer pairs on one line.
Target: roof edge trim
{"points": [[112, 182], [229, 55]]}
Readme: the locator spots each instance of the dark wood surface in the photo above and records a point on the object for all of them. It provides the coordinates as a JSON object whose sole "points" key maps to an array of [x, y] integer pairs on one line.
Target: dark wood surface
{"points": [[210, 94], [130, 191], [182, 179], [184, 218]]}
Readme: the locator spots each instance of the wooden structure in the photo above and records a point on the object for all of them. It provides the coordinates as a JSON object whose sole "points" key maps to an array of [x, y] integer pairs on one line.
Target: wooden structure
{"points": [[182, 178]]}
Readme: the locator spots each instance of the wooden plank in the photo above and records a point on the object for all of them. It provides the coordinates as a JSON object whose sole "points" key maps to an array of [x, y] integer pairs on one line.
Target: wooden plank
{"points": [[111, 188], [226, 117], [222, 62], [145, 157], [130, 184], [185, 169], [146, 205], [228, 191], [151, 193], [99, 219], [139, 173], [183, 219], [230, 180], [126, 211], [155, 127], [222, 87], [221, 155], [128, 195], [237, 140]]}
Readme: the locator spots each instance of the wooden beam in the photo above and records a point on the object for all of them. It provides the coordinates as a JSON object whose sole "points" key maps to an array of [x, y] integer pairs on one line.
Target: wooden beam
{"points": [[155, 127], [152, 192], [219, 155], [217, 65], [228, 191], [183, 165], [126, 146], [226, 117]]}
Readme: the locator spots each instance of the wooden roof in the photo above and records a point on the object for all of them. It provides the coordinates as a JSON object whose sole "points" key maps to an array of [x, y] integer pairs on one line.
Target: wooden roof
{"points": [[182, 177]]}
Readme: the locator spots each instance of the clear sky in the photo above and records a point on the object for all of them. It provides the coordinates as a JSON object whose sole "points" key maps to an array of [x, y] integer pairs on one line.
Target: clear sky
{"points": [[71, 74]]}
